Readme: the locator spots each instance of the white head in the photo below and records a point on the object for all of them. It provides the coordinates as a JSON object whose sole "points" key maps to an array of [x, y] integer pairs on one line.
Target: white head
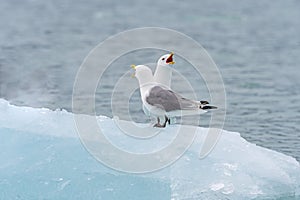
{"points": [[166, 60], [143, 74]]}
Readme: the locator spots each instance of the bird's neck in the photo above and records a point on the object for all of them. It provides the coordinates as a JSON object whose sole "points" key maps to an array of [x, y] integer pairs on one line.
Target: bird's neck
{"points": [[144, 89], [163, 75], [145, 80]]}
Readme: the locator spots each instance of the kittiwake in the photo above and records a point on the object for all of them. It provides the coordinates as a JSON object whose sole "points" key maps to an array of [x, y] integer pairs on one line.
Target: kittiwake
{"points": [[160, 101]]}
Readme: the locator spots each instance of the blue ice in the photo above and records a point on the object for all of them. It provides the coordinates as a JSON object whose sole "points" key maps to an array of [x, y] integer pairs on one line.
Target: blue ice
{"points": [[42, 157]]}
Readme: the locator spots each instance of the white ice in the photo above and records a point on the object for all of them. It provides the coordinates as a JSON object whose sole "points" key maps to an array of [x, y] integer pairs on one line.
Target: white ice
{"points": [[42, 158]]}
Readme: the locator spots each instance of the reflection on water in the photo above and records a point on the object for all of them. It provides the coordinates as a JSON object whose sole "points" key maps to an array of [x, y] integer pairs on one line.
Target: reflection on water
{"points": [[42, 44]]}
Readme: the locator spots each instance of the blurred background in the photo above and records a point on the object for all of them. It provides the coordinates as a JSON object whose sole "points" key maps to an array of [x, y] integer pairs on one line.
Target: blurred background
{"points": [[255, 44]]}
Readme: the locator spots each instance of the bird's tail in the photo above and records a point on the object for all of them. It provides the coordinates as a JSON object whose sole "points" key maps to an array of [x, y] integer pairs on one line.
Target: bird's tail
{"points": [[204, 105]]}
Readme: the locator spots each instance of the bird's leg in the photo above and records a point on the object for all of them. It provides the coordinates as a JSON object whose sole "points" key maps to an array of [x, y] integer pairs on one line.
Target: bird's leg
{"points": [[158, 123], [166, 120]]}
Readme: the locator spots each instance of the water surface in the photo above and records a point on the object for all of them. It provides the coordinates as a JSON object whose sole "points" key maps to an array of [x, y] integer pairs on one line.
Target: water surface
{"points": [[256, 46]]}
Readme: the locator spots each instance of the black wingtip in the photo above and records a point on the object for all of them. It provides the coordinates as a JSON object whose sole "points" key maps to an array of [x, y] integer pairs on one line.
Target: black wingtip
{"points": [[204, 102], [209, 107]]}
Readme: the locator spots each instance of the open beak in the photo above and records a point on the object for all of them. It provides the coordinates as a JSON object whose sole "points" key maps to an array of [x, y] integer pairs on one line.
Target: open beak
{"points": [[170, 59]]}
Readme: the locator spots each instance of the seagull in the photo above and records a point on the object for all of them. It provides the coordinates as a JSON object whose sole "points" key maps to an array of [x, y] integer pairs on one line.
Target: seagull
{"points": [[160, 101], [163, 76]]}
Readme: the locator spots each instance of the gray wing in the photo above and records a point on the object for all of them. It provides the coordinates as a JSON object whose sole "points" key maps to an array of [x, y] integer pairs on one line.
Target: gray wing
{"points": [[169, 100]]}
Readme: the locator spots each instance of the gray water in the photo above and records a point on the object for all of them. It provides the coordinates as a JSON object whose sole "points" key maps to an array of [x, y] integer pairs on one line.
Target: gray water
{"points": [[255, 44]]}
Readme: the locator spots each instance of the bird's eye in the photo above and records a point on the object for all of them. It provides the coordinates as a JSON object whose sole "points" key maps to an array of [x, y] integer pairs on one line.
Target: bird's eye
{"points": [[163, 59]]}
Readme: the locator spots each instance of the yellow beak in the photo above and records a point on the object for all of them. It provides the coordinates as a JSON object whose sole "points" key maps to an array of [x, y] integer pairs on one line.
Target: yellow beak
{"points": [[133, 67], [133, 74]]}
